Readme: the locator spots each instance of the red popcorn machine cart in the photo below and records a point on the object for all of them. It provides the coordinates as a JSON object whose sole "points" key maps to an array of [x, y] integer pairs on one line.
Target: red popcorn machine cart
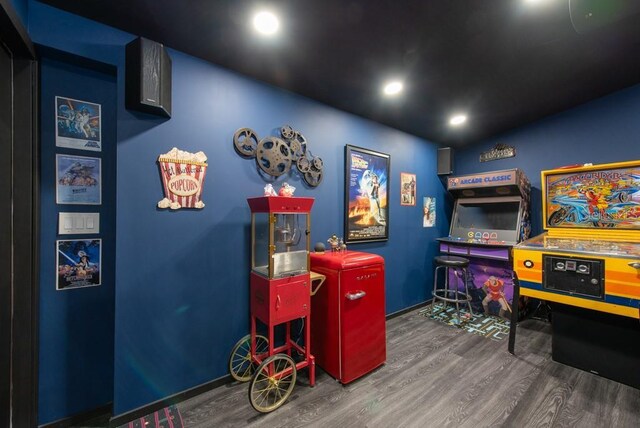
{"points": [[280, 287], [348, 334]]}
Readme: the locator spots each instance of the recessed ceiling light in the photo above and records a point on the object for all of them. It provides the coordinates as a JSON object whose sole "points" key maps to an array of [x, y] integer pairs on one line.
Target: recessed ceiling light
{"points": [[266, 23], [393, 88], [458, 119]]}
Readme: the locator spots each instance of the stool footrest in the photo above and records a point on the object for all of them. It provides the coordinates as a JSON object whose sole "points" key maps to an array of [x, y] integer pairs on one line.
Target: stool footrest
{"points": [[437, 295]]}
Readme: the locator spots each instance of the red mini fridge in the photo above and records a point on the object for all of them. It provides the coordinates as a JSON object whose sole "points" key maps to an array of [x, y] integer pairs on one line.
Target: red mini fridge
{"points": [[348, 333]]}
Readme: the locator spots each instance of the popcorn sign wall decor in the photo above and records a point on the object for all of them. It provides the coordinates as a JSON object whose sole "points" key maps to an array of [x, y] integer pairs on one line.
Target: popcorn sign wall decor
{"points": [[182, 178]]}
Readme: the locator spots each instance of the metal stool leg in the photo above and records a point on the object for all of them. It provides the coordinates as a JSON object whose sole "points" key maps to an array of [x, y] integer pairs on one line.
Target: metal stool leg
{"points": [[447, 292], [457, 295], [435, 287], [466, 289]]}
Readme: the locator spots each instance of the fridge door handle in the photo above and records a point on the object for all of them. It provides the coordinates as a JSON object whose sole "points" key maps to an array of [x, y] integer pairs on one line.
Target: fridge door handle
{"points": [[355, 296]]}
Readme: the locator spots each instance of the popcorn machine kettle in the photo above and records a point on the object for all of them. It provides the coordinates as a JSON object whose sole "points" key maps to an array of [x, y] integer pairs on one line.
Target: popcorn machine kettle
{"points": [[281, 289]]}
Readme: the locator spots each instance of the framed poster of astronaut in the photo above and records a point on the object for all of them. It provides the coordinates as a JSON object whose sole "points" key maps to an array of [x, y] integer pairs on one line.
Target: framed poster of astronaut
{"points": [[366, 204], [78, 124]]}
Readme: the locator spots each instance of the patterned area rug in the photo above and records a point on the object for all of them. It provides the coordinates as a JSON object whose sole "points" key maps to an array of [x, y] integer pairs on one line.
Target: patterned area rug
{"points": [[489, 326], [169, 417]]}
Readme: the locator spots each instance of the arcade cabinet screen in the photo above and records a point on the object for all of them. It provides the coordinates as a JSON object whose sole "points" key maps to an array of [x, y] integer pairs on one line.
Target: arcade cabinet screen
{"points": [[487, 216]]}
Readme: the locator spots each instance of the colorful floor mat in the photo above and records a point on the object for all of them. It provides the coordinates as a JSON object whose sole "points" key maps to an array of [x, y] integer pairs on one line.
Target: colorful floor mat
{"points": [[489, 326], [169, 417]]}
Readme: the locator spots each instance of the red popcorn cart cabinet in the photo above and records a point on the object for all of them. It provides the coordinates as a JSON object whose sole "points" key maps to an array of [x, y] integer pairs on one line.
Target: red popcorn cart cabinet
{"points": [[280, 287], [348, 335]]}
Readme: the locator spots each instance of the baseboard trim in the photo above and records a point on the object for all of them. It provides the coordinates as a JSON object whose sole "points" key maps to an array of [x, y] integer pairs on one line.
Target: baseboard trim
{"points": [[168, 401], [409, 309], [79, 418]]}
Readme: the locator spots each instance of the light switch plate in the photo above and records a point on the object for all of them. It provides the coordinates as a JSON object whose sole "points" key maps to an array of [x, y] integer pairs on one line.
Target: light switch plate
{"points": [[78, 223]]}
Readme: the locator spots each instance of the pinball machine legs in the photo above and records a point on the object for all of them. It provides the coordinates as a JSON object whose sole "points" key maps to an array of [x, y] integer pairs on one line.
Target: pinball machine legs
{"points": [[515, 309]]}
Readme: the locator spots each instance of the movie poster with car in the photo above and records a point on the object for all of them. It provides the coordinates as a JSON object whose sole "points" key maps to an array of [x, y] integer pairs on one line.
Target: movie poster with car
{"points": [[366, 195], [78, 263], [78, 180], [78, 124]]}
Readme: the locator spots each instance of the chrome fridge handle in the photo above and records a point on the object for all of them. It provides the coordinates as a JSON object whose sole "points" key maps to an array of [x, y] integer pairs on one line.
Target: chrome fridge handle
{"points": [[359, 295]]}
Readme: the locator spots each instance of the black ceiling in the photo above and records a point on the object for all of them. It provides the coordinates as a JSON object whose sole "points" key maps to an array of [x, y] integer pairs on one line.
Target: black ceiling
{"points": [[503, 62]]}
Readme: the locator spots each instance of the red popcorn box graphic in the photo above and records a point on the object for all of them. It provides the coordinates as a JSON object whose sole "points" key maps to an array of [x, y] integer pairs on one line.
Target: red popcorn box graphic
{"points": [[183, 182]]}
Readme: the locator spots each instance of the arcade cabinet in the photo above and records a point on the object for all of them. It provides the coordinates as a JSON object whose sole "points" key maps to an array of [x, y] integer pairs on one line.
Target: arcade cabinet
{"points": [[490, 216], [587, 263]]}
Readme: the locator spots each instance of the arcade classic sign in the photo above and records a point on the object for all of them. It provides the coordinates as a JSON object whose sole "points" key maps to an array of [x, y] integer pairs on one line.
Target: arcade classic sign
{"points": [[499, 151], [489, 179]]}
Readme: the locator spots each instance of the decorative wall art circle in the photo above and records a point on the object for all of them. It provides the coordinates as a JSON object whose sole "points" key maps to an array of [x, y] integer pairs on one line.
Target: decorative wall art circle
{"points": [[275, 156], [245, 141]]}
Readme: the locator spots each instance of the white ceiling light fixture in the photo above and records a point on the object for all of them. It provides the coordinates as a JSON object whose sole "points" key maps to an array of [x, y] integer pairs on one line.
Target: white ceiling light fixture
{"points": [[536, 2], [393, 88], [457, 119], [266, 23]]}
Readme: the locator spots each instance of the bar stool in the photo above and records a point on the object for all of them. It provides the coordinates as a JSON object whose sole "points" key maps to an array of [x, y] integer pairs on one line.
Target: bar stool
{"points": [[446, 294]]}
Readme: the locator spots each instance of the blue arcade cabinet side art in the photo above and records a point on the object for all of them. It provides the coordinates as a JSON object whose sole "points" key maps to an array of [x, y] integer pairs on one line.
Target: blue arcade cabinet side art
{"points": [[491, 214]]}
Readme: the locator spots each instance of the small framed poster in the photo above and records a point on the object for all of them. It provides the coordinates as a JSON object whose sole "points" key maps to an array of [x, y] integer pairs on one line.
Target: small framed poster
{"points": [[407, 189], [428, 211], [78, 180], [78, 263], [366, 216], [78, 124]]}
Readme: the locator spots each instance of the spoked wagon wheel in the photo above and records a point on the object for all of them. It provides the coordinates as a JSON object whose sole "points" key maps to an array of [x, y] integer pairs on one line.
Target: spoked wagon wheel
{"points": [[272, 383], [240, 363]]}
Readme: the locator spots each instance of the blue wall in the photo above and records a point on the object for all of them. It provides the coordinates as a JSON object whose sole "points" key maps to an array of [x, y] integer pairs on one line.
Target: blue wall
{"points": [[603, 130], [76, 326], [182, 277], [22, 9]]}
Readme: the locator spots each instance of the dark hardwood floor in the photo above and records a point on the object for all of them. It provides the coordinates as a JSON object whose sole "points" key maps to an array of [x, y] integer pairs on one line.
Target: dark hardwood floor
{"points": [[439, 376]]}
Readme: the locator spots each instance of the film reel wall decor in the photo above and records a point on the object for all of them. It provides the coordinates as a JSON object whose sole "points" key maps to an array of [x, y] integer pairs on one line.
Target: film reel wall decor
{"points": [[276, 156]]}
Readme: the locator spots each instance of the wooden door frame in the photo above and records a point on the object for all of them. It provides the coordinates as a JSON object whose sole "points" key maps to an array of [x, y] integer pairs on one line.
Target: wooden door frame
{"points": [[25, 217]]}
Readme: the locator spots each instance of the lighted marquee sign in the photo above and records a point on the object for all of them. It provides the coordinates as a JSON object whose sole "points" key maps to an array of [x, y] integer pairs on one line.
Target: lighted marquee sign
{"points": [[496, 178], [182, 179]]}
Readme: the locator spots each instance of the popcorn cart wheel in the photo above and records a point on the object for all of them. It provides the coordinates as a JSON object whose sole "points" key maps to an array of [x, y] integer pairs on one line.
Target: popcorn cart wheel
{"points": [[241, 363], [272, 383]]}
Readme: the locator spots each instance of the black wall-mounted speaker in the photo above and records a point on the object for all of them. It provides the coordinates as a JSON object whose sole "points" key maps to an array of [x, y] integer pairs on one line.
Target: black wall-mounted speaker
{"points": [[445, 161], [148, 77]]}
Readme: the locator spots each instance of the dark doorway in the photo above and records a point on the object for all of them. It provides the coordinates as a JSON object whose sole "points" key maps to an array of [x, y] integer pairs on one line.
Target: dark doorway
{"points": [[6, 137], [18, 224]]}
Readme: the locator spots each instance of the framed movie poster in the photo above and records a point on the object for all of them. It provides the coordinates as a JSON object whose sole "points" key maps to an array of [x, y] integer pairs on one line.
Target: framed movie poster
{"points": [[366, 193], [78, 124], [78, 180], [407, 189], [78, 263]]}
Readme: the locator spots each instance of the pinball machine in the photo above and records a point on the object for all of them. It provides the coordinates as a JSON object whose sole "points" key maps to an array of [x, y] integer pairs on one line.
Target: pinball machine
{"points": [[587, 266], [491, 214]]}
